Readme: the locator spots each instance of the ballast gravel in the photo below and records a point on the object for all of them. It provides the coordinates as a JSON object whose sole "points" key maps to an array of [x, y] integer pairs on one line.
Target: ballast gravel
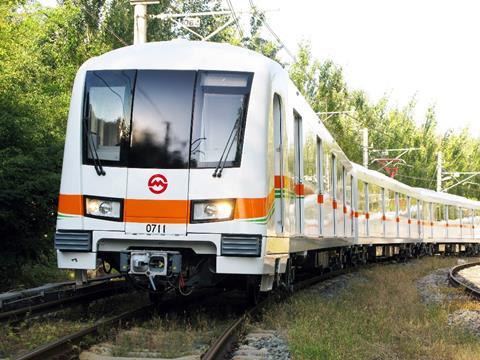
{"points": [[430, 289], [331, 289], [430, 286], [264, 345], [469, 319]]}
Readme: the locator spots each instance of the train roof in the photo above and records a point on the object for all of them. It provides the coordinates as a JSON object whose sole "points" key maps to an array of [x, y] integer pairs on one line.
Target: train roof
{"points": [[183, 55], [372, 176]]}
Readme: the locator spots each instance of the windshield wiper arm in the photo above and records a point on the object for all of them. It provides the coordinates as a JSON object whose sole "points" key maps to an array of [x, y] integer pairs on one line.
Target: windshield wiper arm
{"points": [[91, 146], [228, 146]]}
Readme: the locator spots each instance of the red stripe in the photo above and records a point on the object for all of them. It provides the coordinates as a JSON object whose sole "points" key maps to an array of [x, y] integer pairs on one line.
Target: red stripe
{"points": [[384, 218], [334, 204], [344, 209], [409, 221], [299, 189], [356, 214], [367, 216], [320, 198], [397, 219], [278, 181]]}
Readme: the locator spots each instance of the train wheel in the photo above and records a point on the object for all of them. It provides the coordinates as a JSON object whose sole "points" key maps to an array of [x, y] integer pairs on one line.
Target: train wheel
{"points": [[289, 277], [252, 292]]}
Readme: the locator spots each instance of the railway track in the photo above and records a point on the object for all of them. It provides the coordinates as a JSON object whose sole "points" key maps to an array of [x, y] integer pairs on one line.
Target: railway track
{"points": [[35, 302], [64, 347], [458, 280], [223, 345]]}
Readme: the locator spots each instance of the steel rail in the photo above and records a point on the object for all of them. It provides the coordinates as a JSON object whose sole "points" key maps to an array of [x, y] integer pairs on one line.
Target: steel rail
{"points": [[459, 281], [221, 346], [77, 297], [63, 346]]}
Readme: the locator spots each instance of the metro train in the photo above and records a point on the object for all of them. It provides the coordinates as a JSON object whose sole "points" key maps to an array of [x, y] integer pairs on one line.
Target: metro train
{"points": [[193, 164]]}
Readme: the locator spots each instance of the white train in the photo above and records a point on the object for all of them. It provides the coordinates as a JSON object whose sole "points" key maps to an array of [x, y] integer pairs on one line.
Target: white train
{"points": [[188, 164]]}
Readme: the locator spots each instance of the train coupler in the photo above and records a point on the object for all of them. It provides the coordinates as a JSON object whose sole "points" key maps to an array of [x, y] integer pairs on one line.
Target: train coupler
{"points": [[154, 264]]}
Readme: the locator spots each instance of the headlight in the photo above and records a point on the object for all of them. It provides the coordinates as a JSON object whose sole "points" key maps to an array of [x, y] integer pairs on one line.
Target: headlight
{"points": [[212, 210], [104, 208]]}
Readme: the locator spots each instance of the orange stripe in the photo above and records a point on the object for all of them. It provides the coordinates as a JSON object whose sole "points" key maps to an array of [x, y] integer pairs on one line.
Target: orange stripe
{"points": [[70, 204], [334, 204], [320, 198], [367, 216], [161, 211], [397, 219], [250, 208], [356, 214], [384, 218], [168, 211], [344, 209]]}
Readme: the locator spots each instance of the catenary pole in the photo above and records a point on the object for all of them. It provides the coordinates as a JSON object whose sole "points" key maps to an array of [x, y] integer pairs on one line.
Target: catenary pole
{"points": [[140, 20], [365, 147], [439, 171]]}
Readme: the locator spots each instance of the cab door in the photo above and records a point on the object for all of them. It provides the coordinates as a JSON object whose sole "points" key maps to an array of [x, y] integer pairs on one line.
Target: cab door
{"points": [[158, 160]]}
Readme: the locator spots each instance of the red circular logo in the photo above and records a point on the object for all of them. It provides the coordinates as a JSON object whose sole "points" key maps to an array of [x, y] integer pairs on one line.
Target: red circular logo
{"points": [[157, 183]]}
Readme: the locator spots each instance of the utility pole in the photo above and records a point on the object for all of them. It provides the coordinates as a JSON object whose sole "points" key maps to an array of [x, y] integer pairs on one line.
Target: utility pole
{"points": [[365, 147], [439, 171], [140, 20]]}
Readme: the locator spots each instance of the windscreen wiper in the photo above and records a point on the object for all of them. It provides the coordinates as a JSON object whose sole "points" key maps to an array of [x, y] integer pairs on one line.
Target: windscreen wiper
{"points": [[228, 146], [91, 146]]}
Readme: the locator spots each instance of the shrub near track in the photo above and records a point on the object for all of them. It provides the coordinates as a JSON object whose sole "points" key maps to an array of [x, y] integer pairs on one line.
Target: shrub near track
{"points": [[379, 315]]}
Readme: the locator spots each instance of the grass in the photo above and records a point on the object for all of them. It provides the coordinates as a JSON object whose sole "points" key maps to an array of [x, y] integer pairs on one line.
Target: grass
{"points": [[169, 336], [379, 316]]}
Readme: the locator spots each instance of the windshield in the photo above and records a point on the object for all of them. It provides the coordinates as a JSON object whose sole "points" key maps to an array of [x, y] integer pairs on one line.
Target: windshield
{"points": [[143, 118], [107, 109], [162, 117], [221, 101]]}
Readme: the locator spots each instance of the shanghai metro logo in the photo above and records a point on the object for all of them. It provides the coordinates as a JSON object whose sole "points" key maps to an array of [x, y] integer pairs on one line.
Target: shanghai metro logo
{"points": [[157, 183]]}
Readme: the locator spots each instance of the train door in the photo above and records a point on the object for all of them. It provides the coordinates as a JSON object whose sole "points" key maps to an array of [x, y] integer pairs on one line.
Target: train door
{"points": [[158, 161], [298, 167], [278, 164]]}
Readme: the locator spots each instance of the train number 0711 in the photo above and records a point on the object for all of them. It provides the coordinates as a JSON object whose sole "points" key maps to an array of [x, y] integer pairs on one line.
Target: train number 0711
{"points": [[154, 228]]}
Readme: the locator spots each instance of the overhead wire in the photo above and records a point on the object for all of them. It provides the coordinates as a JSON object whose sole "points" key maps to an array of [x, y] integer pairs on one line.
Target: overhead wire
{"points": [[235, 17], [269, 28], [96, 18]]}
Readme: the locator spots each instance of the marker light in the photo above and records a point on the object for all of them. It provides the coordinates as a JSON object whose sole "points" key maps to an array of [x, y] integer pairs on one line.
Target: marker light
{"points": [[212, 210], [103, 208]]}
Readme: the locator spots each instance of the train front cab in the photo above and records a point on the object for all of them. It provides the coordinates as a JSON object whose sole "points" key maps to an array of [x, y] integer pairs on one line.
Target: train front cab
{"points": [[165, 171]]}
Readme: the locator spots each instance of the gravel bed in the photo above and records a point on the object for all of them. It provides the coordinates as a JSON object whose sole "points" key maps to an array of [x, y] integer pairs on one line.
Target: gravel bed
{"points": [[330, 289], [263, 344], [469, 319], [430, 286]]}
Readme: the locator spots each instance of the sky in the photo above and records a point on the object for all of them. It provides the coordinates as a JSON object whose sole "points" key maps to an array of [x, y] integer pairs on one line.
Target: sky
{"points": [[426, 49]]}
